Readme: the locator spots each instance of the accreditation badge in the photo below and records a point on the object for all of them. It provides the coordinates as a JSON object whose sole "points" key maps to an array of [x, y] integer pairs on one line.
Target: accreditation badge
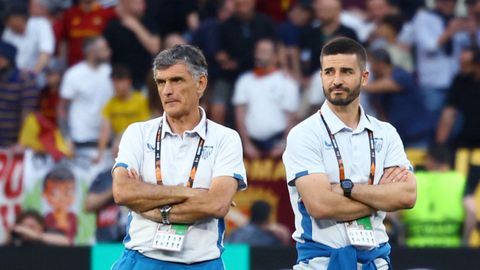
{"points": [[170, 237], [360, 232]]}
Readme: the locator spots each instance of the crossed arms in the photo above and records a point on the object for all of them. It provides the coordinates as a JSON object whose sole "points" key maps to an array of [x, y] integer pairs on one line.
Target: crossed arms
{"points": [[396, 190], [188, 204]]}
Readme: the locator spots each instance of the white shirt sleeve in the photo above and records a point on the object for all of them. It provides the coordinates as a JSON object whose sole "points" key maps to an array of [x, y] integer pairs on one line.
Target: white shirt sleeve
{"points": [[46, 37], [291, 101], [68, 90], [395, 152], [427, 31], [229, 160], [302, 155], [130, 153], [240, 94]]}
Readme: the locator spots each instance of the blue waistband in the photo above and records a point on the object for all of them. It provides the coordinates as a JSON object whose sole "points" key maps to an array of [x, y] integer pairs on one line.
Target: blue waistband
{"points": [[345, 258]]}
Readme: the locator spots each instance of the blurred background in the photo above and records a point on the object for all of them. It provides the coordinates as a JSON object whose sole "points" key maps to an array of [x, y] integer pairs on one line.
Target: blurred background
{"points": [[75, 73]]}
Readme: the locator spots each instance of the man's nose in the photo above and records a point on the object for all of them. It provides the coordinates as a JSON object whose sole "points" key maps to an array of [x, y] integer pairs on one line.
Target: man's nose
{"points": [[337, 80]]}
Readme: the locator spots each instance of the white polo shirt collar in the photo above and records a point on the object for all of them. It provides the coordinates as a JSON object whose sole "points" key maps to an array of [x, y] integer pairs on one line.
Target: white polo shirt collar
{"points": [[336, 125], [199, 129]]}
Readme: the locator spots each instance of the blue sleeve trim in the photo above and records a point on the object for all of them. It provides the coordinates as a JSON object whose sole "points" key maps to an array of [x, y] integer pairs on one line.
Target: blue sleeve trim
{"points": [[297, 175], [120, 164], [300, 174], [241, 181]]}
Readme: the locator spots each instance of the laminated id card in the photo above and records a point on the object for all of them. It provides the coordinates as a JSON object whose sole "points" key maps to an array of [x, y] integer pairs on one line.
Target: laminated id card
{"points": [[360, 232], [170, 237]]}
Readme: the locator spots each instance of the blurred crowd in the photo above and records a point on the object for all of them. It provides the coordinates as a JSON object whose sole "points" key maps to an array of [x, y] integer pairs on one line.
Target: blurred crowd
{"points": [[75, 73]]}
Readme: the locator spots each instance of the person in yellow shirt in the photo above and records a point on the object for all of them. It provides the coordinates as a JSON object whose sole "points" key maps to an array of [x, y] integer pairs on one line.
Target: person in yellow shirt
{"points": [[125, 107]]}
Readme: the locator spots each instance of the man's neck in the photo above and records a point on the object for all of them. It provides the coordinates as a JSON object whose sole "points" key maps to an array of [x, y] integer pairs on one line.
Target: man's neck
{"points": [[92, 63], [184, 123], [349, 115]]}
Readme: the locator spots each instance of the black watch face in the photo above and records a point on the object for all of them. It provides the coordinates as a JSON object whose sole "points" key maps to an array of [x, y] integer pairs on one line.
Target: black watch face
{"points": [[347, 184]]}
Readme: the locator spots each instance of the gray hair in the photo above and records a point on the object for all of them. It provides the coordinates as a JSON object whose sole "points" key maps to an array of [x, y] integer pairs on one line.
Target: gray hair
{"points": [[189, 55]]}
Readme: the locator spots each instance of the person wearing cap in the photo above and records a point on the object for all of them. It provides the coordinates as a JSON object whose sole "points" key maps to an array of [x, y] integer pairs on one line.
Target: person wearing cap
{"points": [[400, 100], [18, 96], [345, 170], [177, 173]]}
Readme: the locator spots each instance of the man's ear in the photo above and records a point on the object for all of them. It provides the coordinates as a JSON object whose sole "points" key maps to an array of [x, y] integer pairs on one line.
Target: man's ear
{"points": [[365, 77], [202, 84]]}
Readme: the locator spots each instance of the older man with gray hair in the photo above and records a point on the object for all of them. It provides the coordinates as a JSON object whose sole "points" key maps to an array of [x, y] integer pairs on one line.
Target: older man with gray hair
{"points": [[177, 173]]}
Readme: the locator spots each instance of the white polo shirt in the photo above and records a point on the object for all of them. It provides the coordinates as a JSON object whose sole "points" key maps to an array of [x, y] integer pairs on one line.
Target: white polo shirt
{"points": [[309, 150], [435, 68], [222, 156], [88, 89], [268, 99], [38, 38]]}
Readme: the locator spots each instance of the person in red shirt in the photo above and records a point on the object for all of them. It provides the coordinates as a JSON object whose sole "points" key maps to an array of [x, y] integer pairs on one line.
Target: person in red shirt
{"points": [[87, 19]]}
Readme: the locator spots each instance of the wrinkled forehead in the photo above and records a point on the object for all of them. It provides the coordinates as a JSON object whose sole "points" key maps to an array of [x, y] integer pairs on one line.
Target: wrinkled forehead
{"points": [[337, 61]]}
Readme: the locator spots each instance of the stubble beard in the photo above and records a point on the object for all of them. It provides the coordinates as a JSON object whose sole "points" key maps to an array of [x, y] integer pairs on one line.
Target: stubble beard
{"points": [[352, 94]]}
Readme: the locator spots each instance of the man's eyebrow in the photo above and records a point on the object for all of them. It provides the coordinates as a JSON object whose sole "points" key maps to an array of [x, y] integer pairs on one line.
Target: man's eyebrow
{"points": [[174, 78]]}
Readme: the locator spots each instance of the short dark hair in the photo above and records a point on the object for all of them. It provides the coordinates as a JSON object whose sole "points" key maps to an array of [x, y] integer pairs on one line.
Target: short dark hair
{"points": [[440, 154], [61, 174], [344, 45], [394, 21], [260, 212], [121, 72], [16, 10], [189, 55], [381, 55], [30, 213]]}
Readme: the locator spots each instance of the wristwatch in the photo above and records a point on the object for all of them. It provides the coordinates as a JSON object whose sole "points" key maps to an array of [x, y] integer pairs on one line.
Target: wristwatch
{"points": [[346, 185], [165, 212]]}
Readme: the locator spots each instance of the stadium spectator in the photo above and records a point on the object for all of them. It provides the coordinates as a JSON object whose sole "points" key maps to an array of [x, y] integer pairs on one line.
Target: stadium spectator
{"points": [[277, 10], [39, 130], [438, 216], [207, 36], [327, 13], [85, 20], [386, 36], [124, 108], [18, 96], [260, 231], [299, 18], [462, 99], [376, 11], [109, 227], [436, 63], [85, 89], [266, 101], [238, 36], [133, 38], [174, 16], [30, 229], [32, 36], [400, 100]]}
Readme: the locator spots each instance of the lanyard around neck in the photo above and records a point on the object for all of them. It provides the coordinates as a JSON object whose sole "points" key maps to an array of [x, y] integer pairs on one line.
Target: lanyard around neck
{"points": [[341, 166], [158, 151]]}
